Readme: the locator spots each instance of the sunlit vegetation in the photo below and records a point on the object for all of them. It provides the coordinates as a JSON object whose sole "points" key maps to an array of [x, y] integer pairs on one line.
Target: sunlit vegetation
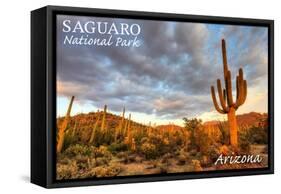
{"points": [[102, 144]]}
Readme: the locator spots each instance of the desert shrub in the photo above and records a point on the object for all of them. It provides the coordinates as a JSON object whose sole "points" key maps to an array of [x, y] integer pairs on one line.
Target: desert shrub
{"points": [[196, 165], [176, 139], [98, 138], [166, 157], [244, 146], [101, 151], [105, 137], [181, 160], [192, 125], [77, 149], [161, 144], [122, 154], [67, 171], [69, 139], [114, 169], [224, 150], [244, 140], [117, 147], [202, 140], [132, 158], [199, 138], [182, 157], [82, 162], [63, 160], [258, 135], [85, 134], [252, 135], [138, 136], [149, 150], [166, 141], [155, 146], [102, 161], [205, 161], [193, 152], [106, 171], [224, 130], [108, 136], [212, 153]]}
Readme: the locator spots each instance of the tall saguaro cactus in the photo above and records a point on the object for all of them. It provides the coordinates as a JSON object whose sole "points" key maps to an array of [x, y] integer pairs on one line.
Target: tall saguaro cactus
{"points": [[62, 128], [228, 106]]}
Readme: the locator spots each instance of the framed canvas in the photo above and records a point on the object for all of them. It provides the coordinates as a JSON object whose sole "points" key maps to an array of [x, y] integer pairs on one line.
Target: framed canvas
{"points": [[125, 96]]}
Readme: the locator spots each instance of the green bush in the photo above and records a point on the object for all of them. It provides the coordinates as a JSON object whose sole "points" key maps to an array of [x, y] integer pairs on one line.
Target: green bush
{"points": [[149, 150], [117, 147], [101, 151], [258, 135], [77, 149], [252, 135], [192, 125]]}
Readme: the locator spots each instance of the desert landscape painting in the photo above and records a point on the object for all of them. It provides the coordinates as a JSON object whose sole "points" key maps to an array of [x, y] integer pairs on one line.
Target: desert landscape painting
{"points": [[188, 97]]}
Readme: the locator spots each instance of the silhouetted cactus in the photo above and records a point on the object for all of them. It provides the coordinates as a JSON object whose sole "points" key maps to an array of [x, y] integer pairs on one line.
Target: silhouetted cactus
{"points": [[228, 106], [62, 128]]}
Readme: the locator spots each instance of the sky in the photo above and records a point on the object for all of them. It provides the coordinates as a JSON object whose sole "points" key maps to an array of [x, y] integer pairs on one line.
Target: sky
{"points": [[167, 77]]}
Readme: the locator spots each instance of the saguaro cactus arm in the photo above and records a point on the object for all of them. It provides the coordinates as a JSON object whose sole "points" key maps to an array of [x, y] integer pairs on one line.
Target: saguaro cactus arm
{"points": [[241, 86], [221, 96], [215, 101], [224, 58], [228, 87]]}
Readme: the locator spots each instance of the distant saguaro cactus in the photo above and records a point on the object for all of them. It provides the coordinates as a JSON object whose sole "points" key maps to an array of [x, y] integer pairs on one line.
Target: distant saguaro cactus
{"points": [[129, 127], [129, 135], [228, 106], [103, 118], [94, 128], [119, 129], [62, 128]]}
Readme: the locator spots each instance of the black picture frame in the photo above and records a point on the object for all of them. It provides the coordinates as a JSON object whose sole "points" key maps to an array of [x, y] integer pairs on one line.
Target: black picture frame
{"points": [[43, 94]]}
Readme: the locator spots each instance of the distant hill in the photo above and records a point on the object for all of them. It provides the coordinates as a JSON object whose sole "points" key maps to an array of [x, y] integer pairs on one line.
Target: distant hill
{"points": [[245, 120], [169, 127], [86, 121], [252, 119]]}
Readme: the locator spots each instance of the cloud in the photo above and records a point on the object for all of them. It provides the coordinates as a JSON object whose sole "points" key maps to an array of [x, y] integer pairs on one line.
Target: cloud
{"points": [[168, 76]]}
